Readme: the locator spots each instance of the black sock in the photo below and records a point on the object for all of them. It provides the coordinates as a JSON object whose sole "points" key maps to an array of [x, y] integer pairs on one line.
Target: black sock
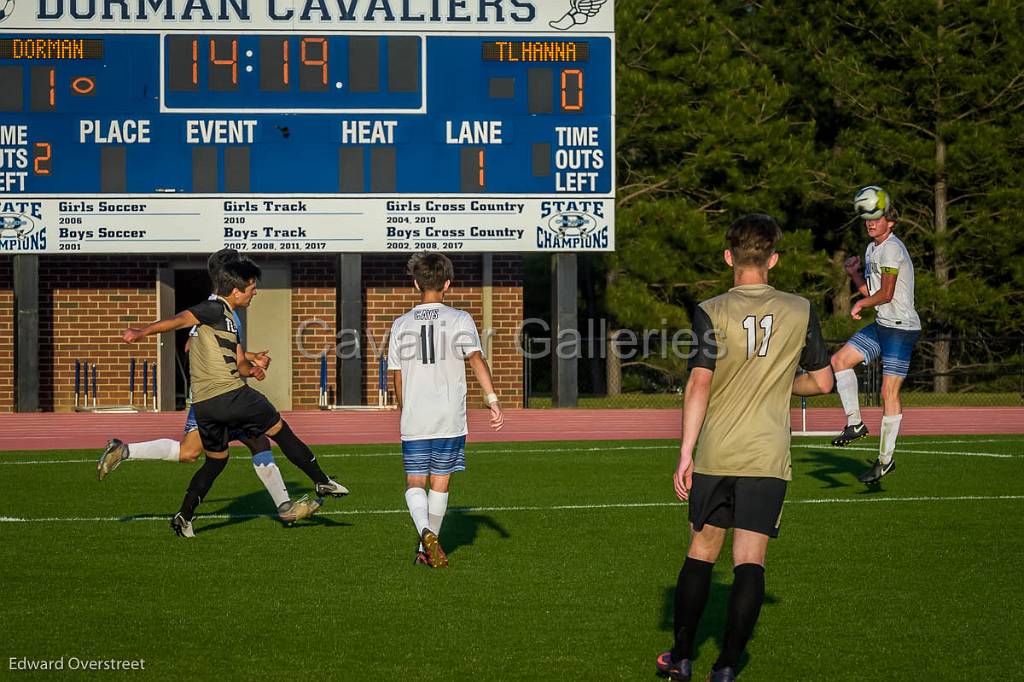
{"points": [[298, 453], [744, 607], [200, 485], [691, 597]]}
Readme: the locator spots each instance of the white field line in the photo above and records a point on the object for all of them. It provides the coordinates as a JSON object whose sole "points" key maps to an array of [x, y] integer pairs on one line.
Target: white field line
{"points": [[512, 451], [472, 510], [904, 451]]}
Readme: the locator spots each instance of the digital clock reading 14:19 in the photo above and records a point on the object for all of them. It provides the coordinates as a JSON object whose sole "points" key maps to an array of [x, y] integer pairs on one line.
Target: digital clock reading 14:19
{"points": [[260, 72]]}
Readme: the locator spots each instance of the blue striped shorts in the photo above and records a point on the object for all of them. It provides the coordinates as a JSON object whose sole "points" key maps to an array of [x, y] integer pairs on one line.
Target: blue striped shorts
{"points": [[894, 345], [434, 456]]}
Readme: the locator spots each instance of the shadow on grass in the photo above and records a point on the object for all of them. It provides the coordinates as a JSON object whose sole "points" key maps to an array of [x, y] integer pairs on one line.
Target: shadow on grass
{"points": [[712, 623], [252, 507], [833, 469], [461, 529]]}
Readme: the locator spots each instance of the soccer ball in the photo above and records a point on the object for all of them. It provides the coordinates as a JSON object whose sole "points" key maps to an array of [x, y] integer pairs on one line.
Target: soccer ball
{"points": [[872, 202]]}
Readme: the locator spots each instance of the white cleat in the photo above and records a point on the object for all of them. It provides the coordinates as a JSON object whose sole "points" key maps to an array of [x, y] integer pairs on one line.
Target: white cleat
{"points": [[332, 488], [181, 527]]}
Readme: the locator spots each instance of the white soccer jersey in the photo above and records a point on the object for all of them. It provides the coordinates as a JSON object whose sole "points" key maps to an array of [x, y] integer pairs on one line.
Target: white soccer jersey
{"points": [[892, 255], [429, 345]]}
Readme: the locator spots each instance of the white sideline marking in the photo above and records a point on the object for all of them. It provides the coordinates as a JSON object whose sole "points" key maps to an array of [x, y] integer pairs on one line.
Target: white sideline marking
{"points": [[471, 510], [511, 451], [904, 451]]}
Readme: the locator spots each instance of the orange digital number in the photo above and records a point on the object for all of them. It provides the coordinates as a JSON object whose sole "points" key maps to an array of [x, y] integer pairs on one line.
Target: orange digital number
{"points": [[195, 62], [322, 61], [83, 85], [233, 62], [575, 75], [284, 63], [53, 89], [43, 153], [481, 164]]}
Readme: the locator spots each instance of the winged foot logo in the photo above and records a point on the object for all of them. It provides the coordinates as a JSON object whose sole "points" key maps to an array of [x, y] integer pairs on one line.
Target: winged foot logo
{"points": [[580, 11]]}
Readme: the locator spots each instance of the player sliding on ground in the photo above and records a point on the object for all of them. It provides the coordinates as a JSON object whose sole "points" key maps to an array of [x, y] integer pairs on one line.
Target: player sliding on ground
{"points": [[428, 350], [890, 289], [750, 342], [222, 401], [191, 446]]}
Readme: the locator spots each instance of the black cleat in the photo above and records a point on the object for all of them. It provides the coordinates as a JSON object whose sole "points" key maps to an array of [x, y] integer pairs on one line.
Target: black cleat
{"points": [[679, 671], [850, 434], [877, 470], [726, 674]]}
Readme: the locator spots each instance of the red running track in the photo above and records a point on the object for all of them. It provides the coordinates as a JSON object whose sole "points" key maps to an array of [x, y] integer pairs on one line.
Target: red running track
{"points": [[80, 430]]}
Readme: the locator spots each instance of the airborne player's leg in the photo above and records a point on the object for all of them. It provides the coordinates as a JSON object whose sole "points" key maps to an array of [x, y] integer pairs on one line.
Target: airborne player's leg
{"points": [[897, 348], [863, 347]]}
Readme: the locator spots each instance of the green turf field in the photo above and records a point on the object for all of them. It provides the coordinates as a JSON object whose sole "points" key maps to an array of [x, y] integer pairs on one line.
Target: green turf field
{"points": [[563, 565]]}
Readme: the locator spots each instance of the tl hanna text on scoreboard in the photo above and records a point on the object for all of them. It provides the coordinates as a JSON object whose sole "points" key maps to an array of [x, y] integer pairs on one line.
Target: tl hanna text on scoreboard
{"points": [[164, 126]]}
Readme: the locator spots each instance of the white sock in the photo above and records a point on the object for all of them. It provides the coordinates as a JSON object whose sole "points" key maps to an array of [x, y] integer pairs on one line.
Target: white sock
{"points": [[164, 448], [887, 443], [846, 385], [270, 475], [416, 500], [437, 505]]}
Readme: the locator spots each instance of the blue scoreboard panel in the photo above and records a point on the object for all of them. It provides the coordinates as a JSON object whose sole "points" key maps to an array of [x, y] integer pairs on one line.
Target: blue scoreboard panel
{"points": [[312, 138]]}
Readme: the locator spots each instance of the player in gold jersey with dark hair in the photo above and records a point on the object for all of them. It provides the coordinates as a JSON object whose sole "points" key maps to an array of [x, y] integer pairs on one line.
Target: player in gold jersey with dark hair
{"points": [[751, 342]]}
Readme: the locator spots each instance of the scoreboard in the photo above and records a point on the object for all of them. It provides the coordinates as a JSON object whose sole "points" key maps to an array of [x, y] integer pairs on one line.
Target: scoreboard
{"points": [[156, 126]]}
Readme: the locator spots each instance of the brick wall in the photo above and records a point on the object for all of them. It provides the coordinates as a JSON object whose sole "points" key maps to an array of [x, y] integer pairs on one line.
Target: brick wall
{"points": [[6, 335], [313, 327], [87, 301], [389, 293], [84, 306]]}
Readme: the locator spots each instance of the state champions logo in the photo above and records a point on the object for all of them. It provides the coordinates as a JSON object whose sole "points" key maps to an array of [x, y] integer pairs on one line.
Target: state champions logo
{"points": [[580, 11], [6, 9]]}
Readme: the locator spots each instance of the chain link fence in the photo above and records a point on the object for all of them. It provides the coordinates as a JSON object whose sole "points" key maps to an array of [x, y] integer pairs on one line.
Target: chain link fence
{"points": [[945, 371]]}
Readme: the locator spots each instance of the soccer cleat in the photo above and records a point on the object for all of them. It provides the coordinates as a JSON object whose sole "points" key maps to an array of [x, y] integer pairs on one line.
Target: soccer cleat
{"points": [[302, 508], [877, 470], [421, 559], [436, 555], [332, 488], [726, 674], [181, 527], [680, 670], [850, 434], [115, 453]]}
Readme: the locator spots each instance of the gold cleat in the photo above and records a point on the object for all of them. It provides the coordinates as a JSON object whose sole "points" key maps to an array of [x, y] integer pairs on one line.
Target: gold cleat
{"points": [[436, 555], [302, 508], [115, 453]]}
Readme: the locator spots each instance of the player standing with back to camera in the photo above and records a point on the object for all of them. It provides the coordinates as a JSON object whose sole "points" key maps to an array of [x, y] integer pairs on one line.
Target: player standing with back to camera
{"points": [[750, 342], [428, 350], [890, 289]]}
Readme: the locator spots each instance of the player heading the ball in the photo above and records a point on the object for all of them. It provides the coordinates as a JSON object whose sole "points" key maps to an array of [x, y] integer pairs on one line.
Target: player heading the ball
{"points": [[889, 288]]}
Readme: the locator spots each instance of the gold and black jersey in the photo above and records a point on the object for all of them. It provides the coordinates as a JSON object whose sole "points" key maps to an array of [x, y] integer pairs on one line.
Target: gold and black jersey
{"points": [[752, 338], [212, 355]]}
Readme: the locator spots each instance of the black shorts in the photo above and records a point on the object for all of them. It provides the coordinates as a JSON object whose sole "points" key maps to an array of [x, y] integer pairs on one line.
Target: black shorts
{"points": [[243, 409], [747, 502]]}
